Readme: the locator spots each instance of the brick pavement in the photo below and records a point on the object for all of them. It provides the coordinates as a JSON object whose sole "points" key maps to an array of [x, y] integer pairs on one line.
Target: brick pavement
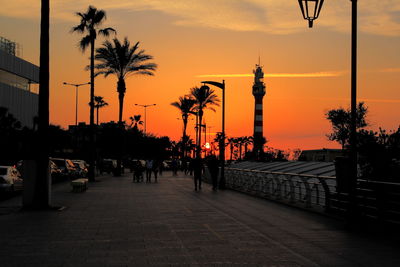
{"points": [[120, 223]]}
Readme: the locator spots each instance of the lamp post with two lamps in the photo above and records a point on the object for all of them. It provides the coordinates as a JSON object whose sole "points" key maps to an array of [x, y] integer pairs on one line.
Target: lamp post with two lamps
{"points": [[310, 10], [145, 107], [77, 85]]}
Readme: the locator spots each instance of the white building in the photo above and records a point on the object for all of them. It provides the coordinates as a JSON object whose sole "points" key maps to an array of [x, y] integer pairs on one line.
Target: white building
{"points": [[17, 81]]}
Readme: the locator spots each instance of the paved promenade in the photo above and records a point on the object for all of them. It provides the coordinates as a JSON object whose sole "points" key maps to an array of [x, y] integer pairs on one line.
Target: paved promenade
{"points": [[120, 223]]}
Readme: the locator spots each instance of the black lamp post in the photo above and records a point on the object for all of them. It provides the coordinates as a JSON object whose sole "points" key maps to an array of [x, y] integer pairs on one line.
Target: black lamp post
{"points": [[145, 108], [310, 10], [222, 143], [77, 85], [310, 15]]}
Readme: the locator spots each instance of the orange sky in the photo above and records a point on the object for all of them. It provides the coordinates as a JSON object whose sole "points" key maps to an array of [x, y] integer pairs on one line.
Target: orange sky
{"points": [[190, 38]]}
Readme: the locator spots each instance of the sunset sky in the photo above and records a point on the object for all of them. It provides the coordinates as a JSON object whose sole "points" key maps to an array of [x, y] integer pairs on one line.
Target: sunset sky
{"points": [[307, 71]]}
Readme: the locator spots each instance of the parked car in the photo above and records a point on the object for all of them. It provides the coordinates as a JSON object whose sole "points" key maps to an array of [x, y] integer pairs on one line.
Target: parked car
{"points": [[67, 167], [108, 166], [10, 179], [55, 172], [82, 167]]}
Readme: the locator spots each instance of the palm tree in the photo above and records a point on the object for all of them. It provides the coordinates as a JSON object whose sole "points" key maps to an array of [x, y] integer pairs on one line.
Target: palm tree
{"points": [[98, 104], [231, 142], [205, 98], [240, 142], [185, 106], [135, 121], [89, 25], [122, 60], [248, 140]]}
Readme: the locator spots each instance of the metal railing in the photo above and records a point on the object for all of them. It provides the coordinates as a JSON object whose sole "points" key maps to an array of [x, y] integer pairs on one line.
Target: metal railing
{"points": [[308, 191]]}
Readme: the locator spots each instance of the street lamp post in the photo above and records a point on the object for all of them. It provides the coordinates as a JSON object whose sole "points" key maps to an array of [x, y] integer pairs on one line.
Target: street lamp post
{"points": [[145, 107], [310, 15], [222, 143], [77, 85]]}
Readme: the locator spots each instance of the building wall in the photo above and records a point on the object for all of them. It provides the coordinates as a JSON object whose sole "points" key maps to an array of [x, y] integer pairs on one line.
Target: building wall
{"points": [[19, 67], [15, 79], [20, 103]]}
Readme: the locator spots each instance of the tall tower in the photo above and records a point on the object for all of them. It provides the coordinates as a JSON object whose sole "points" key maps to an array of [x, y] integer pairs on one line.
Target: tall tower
{"points": [[258, 93]]}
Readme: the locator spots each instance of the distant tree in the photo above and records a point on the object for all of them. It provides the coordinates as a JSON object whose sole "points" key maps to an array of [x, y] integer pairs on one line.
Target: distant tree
{"points": [[248, 140], [220, 140], [135, 121], [341, 122], [98, 104], [8, 123], [295, 154], [231, 143], [205, 98], [122, 60], [185, 105], [379, 154]]}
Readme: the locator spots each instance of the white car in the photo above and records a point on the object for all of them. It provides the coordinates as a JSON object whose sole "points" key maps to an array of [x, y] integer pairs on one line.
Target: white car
{"points": [[10, 179]]}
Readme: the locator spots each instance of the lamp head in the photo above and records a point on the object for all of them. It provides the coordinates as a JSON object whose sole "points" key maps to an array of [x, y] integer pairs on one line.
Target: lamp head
{"points": [[310, 10]]}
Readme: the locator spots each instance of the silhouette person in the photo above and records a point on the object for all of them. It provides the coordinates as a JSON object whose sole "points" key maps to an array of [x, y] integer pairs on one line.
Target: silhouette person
{"points": [[155, 169], [213, 167], [149, 168], [197, 167]]}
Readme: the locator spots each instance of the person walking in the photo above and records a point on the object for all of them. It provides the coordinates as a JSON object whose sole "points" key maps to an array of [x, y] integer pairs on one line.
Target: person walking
{"points": [[174, 165], [213, 168], [138, 172], [155, 169], [149, 168], [190, 166], [197, 168]]}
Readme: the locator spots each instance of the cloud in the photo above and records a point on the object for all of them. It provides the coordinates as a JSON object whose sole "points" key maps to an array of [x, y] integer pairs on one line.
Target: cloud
{"points": [[277, 75], [270, 16]]}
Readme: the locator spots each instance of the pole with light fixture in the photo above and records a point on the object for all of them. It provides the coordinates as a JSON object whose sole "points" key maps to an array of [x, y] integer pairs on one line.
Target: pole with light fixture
{"points": [[222, 141], [77, 85], [310, 10], [145, 107]]}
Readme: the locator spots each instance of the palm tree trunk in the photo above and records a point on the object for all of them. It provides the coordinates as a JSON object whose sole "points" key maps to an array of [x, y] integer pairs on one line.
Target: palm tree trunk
{"points": [[184, 139], [121, 93], [231, 148], [37, 192], [97, 115], [92, 152]]}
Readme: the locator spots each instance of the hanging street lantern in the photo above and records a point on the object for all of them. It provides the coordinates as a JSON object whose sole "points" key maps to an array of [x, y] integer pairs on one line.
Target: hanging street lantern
{"points": [[310, 10]]}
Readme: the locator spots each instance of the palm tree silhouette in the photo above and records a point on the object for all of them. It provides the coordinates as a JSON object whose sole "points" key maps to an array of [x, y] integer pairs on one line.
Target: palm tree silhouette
{"points": [[231, 143], [98, 104], [205, 98], [135, 121], [89, 25], [248, 140], [122, 60], [185, 106]]}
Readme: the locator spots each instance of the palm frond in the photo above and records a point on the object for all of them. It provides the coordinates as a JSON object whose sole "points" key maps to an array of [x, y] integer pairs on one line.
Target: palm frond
{"points": [[84, 43], [107, 31]]}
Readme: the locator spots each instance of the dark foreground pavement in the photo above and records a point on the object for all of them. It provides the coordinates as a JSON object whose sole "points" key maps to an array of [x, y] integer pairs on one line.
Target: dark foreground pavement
{"points": [[120, 223]]}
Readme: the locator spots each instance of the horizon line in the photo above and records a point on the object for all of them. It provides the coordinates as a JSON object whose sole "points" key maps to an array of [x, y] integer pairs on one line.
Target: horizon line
{"points": [[277, 75]]}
